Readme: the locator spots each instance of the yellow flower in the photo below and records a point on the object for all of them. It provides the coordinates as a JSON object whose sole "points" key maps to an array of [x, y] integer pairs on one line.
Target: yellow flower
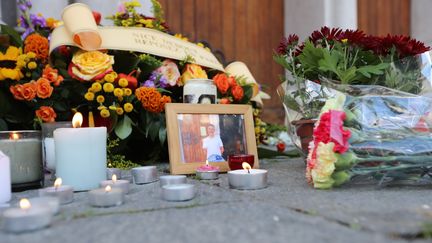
{"points": [[257, 130], [128, 107], [90, 65], [324, 167], [193, 71], [127, 91], [112, 107], [100, 98], [114, 74], [32, 65], [108, 87], [344, 41], [118, 92], [104, 113], [89, 96], [109, 77], [119, 111], [181, 37], [123, 82], [12, 54], [200, 44], [96, 87], [31, 55]]}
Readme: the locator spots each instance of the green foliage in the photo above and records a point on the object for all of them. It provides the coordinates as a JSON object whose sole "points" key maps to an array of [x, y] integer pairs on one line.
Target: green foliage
{"points": [[117, 160], [15, 38], [147, 63]]}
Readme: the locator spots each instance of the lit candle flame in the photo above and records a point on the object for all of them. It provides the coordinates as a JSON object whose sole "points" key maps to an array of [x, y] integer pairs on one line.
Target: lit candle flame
{"points": [[108, 188], [207, 162], [246, 166], [114, 178], [14, 136], [24, 204], [77, 120], [58, 182]]}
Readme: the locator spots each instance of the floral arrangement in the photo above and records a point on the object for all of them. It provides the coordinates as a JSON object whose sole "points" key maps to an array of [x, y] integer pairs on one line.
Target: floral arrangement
{"points": [[377, 133], [346, 57], [125, 91]]}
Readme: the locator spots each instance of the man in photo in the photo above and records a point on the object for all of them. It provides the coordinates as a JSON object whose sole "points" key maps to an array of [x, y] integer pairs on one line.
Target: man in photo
{"points": [[213, 145]]}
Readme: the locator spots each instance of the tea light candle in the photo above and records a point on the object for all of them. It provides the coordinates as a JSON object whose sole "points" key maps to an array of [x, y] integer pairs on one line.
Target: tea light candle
{"points": [[5, 179], [144, 174], [64, 193], [248, 178], [113, 171], [106, 197], [81, 155], [53, 203], [172, 180], [207, 172], [114, 183], [26, 218], [178, 192]]}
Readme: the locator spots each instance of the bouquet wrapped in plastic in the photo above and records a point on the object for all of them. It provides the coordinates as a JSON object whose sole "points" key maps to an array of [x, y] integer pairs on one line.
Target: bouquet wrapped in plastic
{"points": [[371, 132]]}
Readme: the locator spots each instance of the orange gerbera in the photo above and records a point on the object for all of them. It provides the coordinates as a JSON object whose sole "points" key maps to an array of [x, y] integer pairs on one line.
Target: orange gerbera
{"points": [[37, 44]]}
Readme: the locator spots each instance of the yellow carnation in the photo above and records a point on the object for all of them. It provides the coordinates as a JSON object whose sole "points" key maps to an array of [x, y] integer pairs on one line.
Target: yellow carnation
{"points": [[324, 167]]}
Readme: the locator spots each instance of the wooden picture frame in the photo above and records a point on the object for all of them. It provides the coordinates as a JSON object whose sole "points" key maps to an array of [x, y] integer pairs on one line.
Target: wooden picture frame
{"points": [[189, 127]]}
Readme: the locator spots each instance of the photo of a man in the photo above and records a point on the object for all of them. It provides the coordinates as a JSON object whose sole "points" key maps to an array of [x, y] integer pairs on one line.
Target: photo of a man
{"points": [[212, 144]]}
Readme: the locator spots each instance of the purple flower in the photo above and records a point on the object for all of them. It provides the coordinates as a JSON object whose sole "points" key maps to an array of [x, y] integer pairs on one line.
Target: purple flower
{"points": [[22, 7], [158, 78], [149, 84], [23, 22], [37, 20], [26, 33], [28, 4]]}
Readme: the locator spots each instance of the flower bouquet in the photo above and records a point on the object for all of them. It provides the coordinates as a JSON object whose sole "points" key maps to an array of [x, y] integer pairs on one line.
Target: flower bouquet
{"points": [[123, 90], [347, 57], [371, 132]]}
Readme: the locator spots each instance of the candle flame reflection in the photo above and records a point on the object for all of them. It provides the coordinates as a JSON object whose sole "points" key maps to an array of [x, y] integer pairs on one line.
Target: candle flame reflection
{"points": [[108, 188], [14, 136], [77, 120], [246, 166], [58, 182], [114, 178], [24, 203]]}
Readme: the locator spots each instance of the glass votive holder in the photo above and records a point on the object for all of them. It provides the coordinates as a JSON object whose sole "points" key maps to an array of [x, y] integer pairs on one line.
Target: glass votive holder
{"points": [[24, 149], [235, 161], [48, 143]]}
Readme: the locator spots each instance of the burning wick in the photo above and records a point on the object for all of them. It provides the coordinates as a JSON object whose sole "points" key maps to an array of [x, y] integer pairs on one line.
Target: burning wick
{"points": [[14, 136], [57, 183], [246, 166], [24, 204], [207, 163], [114, 178], [107, 188], [77, 120]]}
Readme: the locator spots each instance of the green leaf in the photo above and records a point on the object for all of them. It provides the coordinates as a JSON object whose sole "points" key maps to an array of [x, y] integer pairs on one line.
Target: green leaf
{"points": [[329, 62], [15, 37], [372, 69], [348, 75], [162, 135], [124, 127]]}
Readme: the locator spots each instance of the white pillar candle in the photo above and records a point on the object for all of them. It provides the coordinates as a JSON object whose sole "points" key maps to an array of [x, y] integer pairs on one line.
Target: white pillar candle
{"points": [[106, 197], [49, 148], [5, 179], [63, 193], [81, 155], [26, 218], [114, 183]]}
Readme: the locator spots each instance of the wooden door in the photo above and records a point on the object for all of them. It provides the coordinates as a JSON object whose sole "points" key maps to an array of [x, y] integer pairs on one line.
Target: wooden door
{"points": [[382, 17], [243, 30]]}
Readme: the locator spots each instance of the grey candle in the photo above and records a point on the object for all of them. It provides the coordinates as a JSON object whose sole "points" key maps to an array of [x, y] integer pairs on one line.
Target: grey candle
{"points": [[106, 197], [26, 218], [114, 183], [172, 180], [63, 193], [144, 174], [178, 192]]}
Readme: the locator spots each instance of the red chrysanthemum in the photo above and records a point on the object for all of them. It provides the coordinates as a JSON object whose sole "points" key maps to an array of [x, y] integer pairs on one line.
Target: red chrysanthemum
{"points": [[326, 33], [287, 43]]}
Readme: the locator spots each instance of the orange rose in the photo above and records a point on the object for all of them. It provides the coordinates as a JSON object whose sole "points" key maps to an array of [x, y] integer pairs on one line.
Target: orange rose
{"points": [[237, 92], [224, 101], [46, 114], [44, 88], [232, 81], [192, 71], [17, 91], [25, 91], [52, 75], [221, 81]]}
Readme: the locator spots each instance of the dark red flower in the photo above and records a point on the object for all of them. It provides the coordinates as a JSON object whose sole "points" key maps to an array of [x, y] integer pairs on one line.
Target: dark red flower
{"points": [[325, 33], [355, 37], [287, 43]]}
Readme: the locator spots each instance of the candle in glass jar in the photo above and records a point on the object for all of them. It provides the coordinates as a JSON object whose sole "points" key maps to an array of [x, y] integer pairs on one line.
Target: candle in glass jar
{"points": [[24, 149], [5, 179], [81, 155]]}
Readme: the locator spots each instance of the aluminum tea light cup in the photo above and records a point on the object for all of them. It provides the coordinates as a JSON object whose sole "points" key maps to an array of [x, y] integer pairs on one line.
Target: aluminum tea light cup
{"points": [[53, 203], [247, 179], [63, 193], [178, 192], [114, 183], [144, 174], [106, 197], [172, 180], [207, 172]]}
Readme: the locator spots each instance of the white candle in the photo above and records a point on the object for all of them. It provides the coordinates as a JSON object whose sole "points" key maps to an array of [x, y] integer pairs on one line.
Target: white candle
{"points": [[81, 155], [5, 179], [63, 193], [247, 179], [53, 203], [114, 183], [178, 192], [49, 153], [26, 218], [24, 149], [106, 197], [144, 174]]}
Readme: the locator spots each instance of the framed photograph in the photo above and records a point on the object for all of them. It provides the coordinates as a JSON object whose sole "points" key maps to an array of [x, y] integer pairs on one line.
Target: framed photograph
{"points": [[200, 132]]}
